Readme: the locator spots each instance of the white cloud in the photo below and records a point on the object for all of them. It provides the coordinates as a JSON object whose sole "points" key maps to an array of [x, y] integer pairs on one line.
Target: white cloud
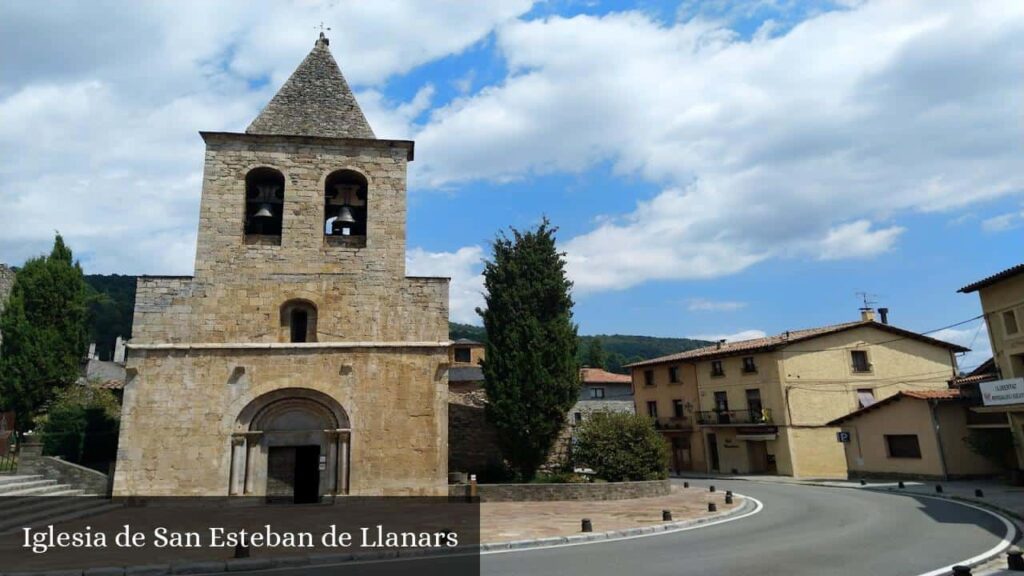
{"points": [[807, 141], [734, 337], [705, 305], [100, 105], [974, 337], [857, 240], [1003, 222], [464, 268]]}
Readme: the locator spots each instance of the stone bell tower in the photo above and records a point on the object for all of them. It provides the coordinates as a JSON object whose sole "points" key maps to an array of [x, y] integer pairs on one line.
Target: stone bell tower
{"points": [[299, 360]]}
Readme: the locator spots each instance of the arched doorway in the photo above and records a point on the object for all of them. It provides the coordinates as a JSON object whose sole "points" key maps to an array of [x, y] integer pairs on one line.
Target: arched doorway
{"points": [[291, 445]]}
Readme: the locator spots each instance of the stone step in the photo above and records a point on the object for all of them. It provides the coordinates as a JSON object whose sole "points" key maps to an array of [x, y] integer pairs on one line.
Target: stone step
{"points": [[15, 479], [46, 490], [75, 508], [18, 505], [19, 488]]}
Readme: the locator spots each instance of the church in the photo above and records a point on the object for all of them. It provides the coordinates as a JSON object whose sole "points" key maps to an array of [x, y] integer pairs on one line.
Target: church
{"points": [[299, 363]]}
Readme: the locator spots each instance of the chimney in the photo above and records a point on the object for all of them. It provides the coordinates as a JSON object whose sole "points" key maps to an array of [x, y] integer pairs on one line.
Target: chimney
{"points": [[884, 313], [867, 315], [720, 343]]}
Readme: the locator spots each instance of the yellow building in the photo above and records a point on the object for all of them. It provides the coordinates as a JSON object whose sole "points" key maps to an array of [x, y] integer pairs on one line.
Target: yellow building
{"points": [[913, 434], [765, 405], [667, 392], [1002, 303]]}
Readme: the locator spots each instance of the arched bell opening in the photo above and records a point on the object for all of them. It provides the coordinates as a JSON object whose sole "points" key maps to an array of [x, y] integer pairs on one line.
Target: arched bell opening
{"points": [[345, 208], [264, 206], [291, 445]]}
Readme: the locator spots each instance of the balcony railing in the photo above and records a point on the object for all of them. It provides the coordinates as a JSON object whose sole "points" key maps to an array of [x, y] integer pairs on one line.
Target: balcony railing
{"points": [[673, 423], [728, 417]]}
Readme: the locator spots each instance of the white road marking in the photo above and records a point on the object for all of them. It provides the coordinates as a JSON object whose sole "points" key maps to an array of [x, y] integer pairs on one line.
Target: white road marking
{"points": [[758, 506], [1011, 535]]}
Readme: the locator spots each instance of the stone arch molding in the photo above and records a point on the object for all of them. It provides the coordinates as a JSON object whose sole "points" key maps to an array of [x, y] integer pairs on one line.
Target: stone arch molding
{"points": [[284, 418]]}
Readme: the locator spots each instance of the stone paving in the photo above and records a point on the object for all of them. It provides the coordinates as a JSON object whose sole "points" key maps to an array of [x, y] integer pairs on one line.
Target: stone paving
{"points": [[504, 521]]}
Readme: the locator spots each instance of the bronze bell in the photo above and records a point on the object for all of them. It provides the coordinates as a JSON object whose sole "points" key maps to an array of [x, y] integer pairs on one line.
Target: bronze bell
{"points": [[264, 212], [345, 216]]}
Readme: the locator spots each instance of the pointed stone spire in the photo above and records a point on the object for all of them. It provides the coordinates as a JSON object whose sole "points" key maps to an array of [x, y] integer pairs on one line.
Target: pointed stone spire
{"points": [[315, 101]]}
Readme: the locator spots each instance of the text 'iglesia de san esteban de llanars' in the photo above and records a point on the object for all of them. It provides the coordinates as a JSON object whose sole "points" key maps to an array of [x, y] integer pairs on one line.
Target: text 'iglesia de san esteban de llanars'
{"points": [[299, 361]]}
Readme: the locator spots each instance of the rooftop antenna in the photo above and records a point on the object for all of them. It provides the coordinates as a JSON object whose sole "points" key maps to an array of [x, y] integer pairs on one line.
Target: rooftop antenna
{"points": [[868, 299]]}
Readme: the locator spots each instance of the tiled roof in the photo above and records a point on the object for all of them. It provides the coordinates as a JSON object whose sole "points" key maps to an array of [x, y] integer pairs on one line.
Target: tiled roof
{"points": [[786, 338], [467, 341], [1009, 272], [983, 373], [946, 394], [315, 101], [599, 376]]}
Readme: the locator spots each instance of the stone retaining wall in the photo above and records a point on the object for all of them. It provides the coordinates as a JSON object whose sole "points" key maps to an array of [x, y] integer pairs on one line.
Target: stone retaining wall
{"points": [[32, 462], [553, 492]]}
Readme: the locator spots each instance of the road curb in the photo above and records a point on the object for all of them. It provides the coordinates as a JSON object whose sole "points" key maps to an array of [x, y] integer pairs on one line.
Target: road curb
{"points": [[748, 505], [327, 559]]}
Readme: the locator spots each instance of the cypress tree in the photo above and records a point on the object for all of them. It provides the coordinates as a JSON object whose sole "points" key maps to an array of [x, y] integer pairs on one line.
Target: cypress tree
{"points": [[44, 330], [530, 371]]}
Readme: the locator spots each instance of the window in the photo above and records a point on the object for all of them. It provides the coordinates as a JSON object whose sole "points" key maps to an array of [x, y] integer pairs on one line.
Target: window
{"points": [[648, 377], [1010, 322], [722, 407], [463, 354], [677, 408], [865, 397], [597, 393], [652, 409], [716, 368], [264, 206], [673, 374], [577, 417], [345, 208], [860, 361], [754, 402], [749, 367], [903, 445], [298, 321]]}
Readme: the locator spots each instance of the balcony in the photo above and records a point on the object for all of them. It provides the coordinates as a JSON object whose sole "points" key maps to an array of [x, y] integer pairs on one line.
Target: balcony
{"points": [[735, 417], [674, 423]]}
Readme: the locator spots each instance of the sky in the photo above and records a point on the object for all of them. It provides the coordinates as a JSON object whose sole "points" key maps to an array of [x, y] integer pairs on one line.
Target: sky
{"points": [[715, 169]]}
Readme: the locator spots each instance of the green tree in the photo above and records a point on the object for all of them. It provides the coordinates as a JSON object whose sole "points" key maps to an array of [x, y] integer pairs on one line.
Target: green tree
{"points": [[618, 446], [595, 357], [530, 372], [44, 332]]}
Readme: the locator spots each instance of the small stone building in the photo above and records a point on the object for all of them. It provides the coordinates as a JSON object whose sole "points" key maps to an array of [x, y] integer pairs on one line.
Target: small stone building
{"points": [[299, 362]]}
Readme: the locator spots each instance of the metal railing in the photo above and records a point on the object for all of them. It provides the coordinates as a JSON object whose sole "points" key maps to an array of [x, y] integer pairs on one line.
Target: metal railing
{"points": [[8, 452], [673, 422], [724, 417]]}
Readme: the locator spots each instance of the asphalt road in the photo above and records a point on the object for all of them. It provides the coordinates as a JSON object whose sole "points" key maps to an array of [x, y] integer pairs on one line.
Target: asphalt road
{"points": [[802, 531]]}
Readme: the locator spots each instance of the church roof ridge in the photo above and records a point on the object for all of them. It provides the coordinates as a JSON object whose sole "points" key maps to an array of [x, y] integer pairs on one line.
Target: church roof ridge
{"points": [[314, 101]]}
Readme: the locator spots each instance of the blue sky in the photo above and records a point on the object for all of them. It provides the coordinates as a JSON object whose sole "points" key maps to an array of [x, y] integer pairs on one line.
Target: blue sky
{"points": [[715, 168]]}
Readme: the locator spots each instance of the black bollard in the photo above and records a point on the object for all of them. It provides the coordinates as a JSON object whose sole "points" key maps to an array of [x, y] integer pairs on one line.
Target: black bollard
{"points": [[863, 482], [978, 493], [241, 551], [666, 515], [586, 526], [686, 484], [712, 507], [728, 498], [1015, 559], [938, 488], [712, 488], [961, 570], [728, 492], [901, 484]]}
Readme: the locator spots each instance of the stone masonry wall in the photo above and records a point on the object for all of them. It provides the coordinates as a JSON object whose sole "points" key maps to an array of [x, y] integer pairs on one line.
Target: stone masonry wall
{"points": [[6, 284], [181, 407], [555, 492]]}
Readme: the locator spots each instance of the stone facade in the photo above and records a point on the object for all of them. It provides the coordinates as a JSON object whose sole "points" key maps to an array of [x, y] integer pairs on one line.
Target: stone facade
{"points": [[6, 284], [220, 396]]}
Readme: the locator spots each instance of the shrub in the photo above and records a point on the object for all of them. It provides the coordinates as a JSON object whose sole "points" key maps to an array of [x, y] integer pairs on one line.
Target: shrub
{"points": [[619, 447], [82, 425]]}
